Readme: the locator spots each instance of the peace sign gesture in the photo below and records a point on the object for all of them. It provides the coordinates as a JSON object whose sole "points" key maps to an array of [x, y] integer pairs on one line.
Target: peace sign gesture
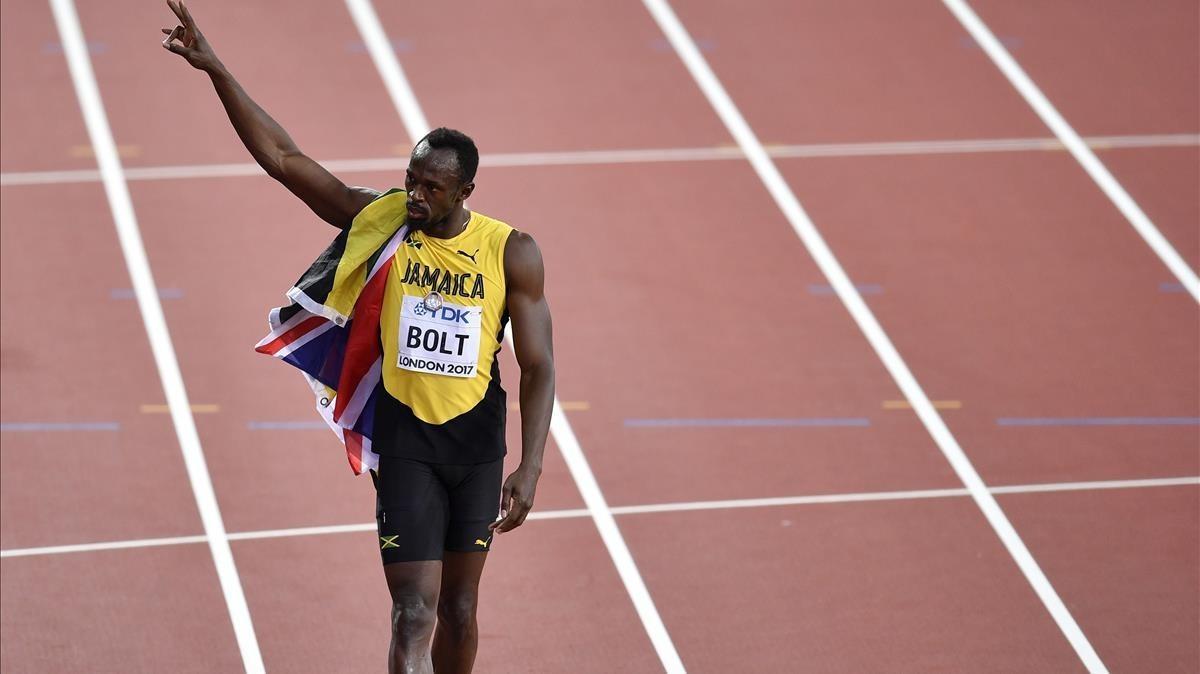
{"points": [[191, 44]]}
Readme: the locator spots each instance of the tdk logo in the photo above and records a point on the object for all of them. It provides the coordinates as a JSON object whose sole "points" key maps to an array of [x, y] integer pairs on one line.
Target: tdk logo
{"points": [[444, 314]]}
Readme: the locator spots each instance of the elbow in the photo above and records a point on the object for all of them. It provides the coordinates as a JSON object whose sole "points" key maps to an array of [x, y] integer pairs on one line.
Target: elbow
{"points": [[271, 164], [540, 371], [275, 160]]}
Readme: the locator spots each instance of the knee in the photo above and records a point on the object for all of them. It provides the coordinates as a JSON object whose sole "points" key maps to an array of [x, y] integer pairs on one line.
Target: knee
{"points": [[412, 616], [457, 610]]}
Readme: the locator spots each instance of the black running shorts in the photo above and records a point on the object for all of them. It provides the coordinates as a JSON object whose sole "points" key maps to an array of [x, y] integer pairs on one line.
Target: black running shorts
{"points": [[424, 508]]}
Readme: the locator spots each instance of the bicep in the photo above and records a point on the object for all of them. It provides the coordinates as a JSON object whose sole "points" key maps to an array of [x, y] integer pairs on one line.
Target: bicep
{"points": [[527, 306], [323, 192]]}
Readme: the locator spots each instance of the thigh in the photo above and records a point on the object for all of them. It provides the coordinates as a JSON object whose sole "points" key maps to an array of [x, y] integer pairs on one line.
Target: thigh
{"points": [[460, 580], [411, 511], [414, 583], [473, 492]]}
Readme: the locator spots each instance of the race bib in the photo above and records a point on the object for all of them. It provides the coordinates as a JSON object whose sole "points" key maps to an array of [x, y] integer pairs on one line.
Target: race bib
{"points": [[438, 337]]}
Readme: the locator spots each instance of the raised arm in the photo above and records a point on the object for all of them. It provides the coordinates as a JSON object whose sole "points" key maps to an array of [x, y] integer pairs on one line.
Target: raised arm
{"points": [[534, 347], [267, 142]]}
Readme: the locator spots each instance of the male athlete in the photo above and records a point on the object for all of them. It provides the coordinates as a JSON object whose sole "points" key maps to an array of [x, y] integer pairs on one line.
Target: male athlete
{"points": [[439, 418]]}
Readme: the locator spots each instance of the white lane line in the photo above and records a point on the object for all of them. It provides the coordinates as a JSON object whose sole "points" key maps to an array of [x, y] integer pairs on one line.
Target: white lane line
{"points": [[394, 79], [92, 106], [975, 146], [725, 108], [371, 526], [911, 495], [1075, 145], [560, 514], [303, 531], [650, 508], [602, 515], [588, 157], [1090, 486], [414, 121], [110, 545]]}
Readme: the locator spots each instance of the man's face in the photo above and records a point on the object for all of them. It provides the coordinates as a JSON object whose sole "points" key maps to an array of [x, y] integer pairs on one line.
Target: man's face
{"points": [[434, 186]]}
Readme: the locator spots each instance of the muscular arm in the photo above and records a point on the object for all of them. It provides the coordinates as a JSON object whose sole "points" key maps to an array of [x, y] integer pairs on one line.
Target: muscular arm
{"points": [[267, 142], [533, 345], [278, 155]]}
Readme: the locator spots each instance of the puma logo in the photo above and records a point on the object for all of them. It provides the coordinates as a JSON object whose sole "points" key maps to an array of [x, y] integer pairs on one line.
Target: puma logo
{"points": [[470, 255], [480, 541]]}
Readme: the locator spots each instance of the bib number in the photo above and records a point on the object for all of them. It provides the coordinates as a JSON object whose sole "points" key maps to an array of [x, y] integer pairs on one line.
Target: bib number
{"points": [[441, 341]]}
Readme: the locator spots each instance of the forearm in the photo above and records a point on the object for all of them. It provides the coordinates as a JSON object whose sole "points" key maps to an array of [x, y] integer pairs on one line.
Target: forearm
{"points": [[537, 404], [267, 142]]}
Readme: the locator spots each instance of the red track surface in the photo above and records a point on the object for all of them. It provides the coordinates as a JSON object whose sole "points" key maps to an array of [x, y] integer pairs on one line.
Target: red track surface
{"points": [[1006, 280]]}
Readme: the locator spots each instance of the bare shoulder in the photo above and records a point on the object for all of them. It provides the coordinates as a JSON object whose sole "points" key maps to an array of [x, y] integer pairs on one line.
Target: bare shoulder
{"points": [[523, 260], [369, 192], [522, 249], [361, 196]]}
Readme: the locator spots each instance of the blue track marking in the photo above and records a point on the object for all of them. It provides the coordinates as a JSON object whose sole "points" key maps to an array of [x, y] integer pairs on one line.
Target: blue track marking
{"points": [[1171, 288], [35, 426], [1098, 421], [286, 425], [851, 422], [862, 288], [127, 294]]}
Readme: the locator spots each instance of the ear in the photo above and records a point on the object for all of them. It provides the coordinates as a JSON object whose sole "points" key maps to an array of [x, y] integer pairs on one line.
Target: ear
{"points": [[465, 191]]}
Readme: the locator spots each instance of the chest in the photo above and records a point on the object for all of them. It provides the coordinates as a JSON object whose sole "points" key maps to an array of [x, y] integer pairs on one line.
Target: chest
{"points": [[463, 273], [444, 308]]}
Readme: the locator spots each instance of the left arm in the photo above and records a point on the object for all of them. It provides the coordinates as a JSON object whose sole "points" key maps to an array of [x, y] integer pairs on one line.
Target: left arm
{"points": [[533, 344]]}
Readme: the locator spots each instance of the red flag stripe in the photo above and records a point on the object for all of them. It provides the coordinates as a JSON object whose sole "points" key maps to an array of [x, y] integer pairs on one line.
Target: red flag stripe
{"points": [[354, 448], [272, 347], [362, 346]]}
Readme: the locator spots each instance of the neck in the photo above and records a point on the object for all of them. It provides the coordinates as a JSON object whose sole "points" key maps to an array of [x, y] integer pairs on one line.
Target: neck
{"points": [[451, 226]]}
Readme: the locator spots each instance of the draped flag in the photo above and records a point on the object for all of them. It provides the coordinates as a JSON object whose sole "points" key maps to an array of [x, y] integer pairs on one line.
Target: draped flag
{"points": [[330, 330]]}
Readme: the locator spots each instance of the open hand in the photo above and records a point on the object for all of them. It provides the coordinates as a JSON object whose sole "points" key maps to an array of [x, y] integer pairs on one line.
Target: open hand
{"points": [[187, 40], [516, 499]]}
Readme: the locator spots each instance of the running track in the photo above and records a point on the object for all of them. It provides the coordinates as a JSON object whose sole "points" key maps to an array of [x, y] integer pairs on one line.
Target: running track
{"points": [[743, 483]]}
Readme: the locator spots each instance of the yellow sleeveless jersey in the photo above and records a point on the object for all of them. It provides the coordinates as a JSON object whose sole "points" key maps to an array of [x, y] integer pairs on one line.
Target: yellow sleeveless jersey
{"points": [[443, 319]]}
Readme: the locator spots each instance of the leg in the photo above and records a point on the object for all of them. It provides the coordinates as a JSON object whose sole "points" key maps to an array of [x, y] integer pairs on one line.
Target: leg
{"points": [[457, 635], [414, 588], [411, 513], [473, 492]]}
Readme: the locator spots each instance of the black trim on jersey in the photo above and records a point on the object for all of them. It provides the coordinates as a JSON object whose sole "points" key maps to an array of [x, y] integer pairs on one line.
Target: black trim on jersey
{"points": [[475, 436]]}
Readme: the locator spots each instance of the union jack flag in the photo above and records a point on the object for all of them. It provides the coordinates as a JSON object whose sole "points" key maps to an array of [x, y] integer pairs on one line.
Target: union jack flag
{"points": [[330, 330]]}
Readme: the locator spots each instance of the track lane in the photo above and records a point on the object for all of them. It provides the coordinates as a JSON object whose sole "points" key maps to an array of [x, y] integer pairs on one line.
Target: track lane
{"points": [[1023, 293], [659, 314], [60, 266], [115, 611], [301, 64], [1164, 181], [1110, 67], [912, 586], [534, 616], [1126, 561], [864, 70], [38, 118], [549, 76]]}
